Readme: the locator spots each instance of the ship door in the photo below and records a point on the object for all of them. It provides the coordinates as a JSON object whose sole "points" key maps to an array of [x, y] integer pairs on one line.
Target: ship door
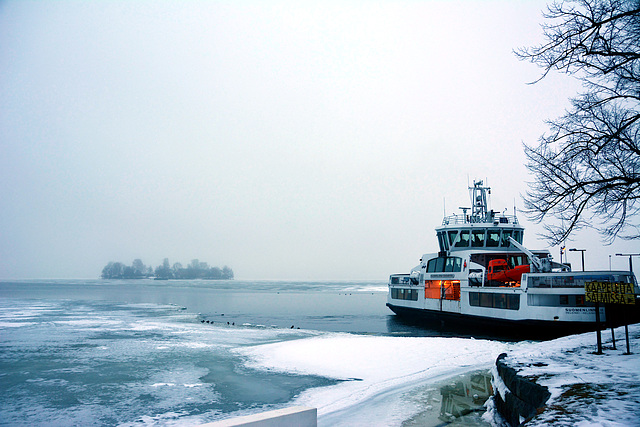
{"points": [[442, 290]]}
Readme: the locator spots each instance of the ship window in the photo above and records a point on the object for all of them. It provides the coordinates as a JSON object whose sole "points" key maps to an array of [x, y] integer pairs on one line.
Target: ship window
{"points": [[442, 264], [571, 281], [545, 300], [478, 238], [398, 279], [500, 301], [452, 236], [452, 264], [493, 238], [463, 241], [474, 299], [494, 300], [517, 236], [486, 300], [404, 294], [442, 240], [518, 260], [505, 238]]}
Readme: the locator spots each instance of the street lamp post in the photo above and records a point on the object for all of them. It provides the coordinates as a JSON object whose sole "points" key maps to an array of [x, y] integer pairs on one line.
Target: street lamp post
{"points": [[630, 262], [579, 250]]}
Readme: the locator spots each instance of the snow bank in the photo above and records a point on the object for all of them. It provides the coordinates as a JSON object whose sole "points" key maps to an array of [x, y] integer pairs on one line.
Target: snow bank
{"points": [[377, 371], [380, 374], [586, 389]]}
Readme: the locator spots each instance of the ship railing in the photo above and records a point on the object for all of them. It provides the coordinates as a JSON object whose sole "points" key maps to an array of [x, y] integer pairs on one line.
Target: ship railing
{"points": [[400, 279], [470, 219]]}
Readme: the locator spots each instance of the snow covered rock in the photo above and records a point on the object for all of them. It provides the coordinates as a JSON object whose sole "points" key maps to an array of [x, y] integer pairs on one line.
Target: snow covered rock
{"points": [[517, 399]]}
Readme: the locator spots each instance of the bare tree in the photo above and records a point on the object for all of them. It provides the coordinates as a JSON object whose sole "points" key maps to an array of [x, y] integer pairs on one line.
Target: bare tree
{"points": [[587, 167]]}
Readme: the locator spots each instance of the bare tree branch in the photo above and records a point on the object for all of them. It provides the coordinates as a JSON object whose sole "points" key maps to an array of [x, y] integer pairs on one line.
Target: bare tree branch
{"points": [[586, 169]]}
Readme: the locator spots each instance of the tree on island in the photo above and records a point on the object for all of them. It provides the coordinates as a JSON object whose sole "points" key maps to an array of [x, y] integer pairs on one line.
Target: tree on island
{"points": [[164, 271], [113, 270], [137, 270], [587, 168], [117, 270], [201, 270]]}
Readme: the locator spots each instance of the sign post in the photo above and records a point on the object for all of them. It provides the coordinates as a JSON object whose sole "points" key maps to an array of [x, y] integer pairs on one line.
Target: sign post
{"points": [[626, 334], [609, 293], [598, 335]]}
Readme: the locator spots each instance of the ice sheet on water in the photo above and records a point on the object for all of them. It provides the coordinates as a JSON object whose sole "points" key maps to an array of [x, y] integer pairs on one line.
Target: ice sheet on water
{"points": [[368, 288], [15, 324], [25, 311], [155, 360], [104, 363], [100, 322], [157, 364]]}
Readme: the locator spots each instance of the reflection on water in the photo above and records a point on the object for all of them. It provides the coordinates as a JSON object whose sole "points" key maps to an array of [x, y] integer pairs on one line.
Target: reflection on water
{"points": [[397, 325], [460, 401], [466, 395], [400, 326]]}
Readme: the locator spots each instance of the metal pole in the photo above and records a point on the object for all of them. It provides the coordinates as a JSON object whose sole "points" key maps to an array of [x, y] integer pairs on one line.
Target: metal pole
{"points": [[626, 334], [582, 252], [598, 337], [613, 336], [630, 260], [626, 312]]}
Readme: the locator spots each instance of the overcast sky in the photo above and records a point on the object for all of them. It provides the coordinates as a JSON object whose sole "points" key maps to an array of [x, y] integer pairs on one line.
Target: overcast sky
{"points": [[287, 140]]}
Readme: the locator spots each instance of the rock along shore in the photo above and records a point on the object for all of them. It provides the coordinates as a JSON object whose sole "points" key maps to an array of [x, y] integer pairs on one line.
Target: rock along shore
{"points": [[563, 382]]}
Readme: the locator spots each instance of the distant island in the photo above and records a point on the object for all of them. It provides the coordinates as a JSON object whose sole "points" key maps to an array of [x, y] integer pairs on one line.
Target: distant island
{"points": [[194, 270]]}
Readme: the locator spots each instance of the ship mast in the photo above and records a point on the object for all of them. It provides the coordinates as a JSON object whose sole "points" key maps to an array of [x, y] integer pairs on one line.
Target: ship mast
{"points": [[479, 210]]}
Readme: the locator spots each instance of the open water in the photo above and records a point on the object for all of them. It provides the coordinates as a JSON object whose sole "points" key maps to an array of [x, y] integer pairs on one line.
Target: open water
{"points": [[144, 352]]}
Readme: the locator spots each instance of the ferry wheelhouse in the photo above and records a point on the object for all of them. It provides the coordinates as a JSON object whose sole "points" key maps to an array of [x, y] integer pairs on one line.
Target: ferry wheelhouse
{"points": [[483, 277]]}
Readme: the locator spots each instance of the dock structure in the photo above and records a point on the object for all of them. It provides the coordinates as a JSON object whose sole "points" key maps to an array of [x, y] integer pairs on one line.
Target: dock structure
{"points": [[295, 416]]}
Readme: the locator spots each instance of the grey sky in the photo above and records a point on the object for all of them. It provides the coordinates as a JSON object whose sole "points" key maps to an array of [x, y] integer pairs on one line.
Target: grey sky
{"points": [[288, 140]]}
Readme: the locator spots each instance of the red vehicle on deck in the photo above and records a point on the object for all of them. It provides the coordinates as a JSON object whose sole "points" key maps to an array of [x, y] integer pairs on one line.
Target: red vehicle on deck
{"points": [[500, 271]]}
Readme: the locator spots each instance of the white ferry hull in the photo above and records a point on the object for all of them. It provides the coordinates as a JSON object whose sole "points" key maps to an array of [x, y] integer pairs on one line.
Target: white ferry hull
{"points": [[469, 324]]}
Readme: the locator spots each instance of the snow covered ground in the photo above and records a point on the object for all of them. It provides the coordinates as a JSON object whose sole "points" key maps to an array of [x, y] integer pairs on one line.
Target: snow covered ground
{"points": [[381, 373], [586, 388]]}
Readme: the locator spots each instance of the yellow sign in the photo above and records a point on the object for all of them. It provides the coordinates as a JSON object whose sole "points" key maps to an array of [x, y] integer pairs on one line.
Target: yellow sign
{"points": [[609, 293]]}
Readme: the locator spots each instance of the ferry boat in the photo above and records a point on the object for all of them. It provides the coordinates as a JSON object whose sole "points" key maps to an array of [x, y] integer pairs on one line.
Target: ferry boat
{"points": [[483, 278]]}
